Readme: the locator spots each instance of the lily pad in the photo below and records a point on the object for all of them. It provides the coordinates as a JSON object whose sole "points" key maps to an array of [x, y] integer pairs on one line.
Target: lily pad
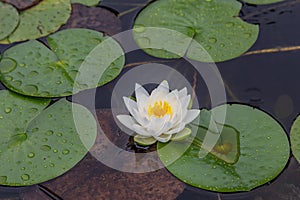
{"points": [[144, 141], [295, 138], [261, 2], [9, 19], [87, 2], [264, 152], [40, 143], [41, 20], [213, 25], [69, 66]]}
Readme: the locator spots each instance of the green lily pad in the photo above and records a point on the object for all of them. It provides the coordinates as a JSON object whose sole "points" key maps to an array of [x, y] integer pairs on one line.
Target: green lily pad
{"points": [[9, 19], [41, 20], [214, 25], [68, 67], [261, 2], [144, 141], [186, 132], [87, 2], [264, 152], [295, 138], [40, 143]]}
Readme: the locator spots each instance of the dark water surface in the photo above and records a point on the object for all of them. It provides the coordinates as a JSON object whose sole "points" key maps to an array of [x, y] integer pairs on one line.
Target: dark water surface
{"points": [[269, 81]]}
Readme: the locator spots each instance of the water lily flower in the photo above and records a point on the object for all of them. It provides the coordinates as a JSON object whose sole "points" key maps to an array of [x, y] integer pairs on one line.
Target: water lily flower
{"points": [[160, 116]]}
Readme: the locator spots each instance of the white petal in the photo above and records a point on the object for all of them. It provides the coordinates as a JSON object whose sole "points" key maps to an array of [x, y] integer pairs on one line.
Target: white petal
{"points": [[163, 138], [127, 121], [191, 115], [176, 129], [175, 103], [141, 98], [185, 101], [183, 92], [160, 92], [130, 104], [163, 86], [157, 125], [141, 130], [139, 118]]}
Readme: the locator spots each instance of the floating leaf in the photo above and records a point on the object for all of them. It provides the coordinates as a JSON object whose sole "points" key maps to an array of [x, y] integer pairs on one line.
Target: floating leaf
{"points": [[186, 132], [144, 141], [33, 69], [214, 25], [264, 152], [9, 19], [41, 20], [258, 2], [295, 138], [37, 144], [87, 2]]}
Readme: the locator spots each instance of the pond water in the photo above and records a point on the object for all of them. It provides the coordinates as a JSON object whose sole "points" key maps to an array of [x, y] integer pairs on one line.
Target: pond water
{"points": [[268, 80]]}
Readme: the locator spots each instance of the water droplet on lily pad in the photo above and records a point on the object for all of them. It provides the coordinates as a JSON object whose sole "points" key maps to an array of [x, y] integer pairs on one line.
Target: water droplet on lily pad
{"points": [[45, 148], [30, 89], [7, 65], [33, 110], [229, 24], [7, 110], [212, 40], [35, 130], [49, 132], [3, 179], [247, 35], [33, 74], [139, 28], [25, 177], [31, 155], [8, 78], [16, 83], [65, 152], [59, 134]]}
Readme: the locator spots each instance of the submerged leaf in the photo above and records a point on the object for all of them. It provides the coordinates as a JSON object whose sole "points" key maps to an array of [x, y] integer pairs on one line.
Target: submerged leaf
{"points": [[264, 152], [39, 143], [9, 20], [227, 145], [78, 59], [213, 25]]}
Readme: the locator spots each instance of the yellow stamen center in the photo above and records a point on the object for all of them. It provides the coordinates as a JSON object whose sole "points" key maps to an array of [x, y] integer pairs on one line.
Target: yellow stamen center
{"points": [[159, 109]]}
